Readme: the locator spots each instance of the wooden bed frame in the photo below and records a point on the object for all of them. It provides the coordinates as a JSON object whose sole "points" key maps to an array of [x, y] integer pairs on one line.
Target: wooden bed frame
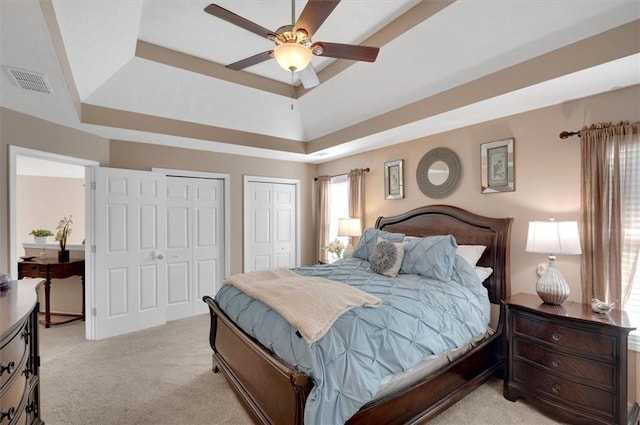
{"points": [[273, 392]]}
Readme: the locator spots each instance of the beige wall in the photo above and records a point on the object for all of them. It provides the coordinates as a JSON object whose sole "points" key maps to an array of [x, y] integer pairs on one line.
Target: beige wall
{"points": [[547, 177], [138, 156], [547, 173], [25, 131]]}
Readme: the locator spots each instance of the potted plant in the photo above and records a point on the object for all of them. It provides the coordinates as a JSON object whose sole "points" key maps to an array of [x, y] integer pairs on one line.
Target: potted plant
{"points": [[40, 235], [64, 230]]}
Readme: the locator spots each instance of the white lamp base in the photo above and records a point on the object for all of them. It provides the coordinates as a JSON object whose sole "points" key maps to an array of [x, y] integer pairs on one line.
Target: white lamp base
{"points": [[348, 251], [552, 288]]}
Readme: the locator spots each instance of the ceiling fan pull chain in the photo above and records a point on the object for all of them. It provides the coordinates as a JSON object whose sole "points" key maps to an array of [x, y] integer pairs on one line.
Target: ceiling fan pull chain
{"points": [[293, 92]]}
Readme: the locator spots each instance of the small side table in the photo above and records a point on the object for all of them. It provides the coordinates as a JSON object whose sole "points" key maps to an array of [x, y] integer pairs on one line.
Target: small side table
{"points": [[569, 361], [50, 268]]}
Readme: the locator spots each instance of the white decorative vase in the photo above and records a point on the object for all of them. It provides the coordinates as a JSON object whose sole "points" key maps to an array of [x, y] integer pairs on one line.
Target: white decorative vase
{"points": [[40, 240], [552, 288]]}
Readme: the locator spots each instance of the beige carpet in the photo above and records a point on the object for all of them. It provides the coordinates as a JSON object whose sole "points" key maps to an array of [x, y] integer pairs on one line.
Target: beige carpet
{"points": [[163, 376]]}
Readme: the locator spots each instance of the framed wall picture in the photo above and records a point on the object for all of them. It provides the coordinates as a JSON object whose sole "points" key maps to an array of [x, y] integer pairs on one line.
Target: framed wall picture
{"points": [[498, 166], [393, 180]]}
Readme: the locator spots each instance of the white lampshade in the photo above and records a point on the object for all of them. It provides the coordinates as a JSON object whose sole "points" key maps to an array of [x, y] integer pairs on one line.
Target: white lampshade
{"points": [[349, 227], [292, 56], [554, 237]]}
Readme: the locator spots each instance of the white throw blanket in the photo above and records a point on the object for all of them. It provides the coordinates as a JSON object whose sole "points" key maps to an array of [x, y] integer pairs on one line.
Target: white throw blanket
{"points": [[310, 304]]}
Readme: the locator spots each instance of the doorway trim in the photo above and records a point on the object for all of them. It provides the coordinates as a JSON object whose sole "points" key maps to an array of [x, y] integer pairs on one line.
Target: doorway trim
{"points": [[226, 178], [14, 152], [260, 179]]}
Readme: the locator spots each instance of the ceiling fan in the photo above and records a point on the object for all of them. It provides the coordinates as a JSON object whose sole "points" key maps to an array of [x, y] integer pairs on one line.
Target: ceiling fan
{"points": [[294, 48]]}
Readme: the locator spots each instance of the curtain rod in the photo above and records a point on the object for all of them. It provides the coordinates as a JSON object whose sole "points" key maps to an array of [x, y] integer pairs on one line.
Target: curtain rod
{"points": [[366, 170], [567, 134]]}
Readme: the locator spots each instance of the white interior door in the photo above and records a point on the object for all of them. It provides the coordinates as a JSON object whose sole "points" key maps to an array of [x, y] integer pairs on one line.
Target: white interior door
{"points": [[129, 286], [270, 226], [208, 240], [195, 243], [284, 225], [179, 248]]}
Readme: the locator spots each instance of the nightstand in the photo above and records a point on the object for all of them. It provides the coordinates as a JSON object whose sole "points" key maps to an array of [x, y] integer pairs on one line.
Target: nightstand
{"points": [[568, 361]]}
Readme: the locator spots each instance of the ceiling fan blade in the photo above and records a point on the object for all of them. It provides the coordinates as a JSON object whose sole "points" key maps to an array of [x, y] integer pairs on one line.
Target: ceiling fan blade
{"points": [[232, 18], [308, 77], [314, 14], [345, 51], [250, 61]]}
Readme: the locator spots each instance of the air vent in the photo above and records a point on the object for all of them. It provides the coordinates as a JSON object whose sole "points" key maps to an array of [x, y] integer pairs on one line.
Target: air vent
{"points": [[29, 80]]}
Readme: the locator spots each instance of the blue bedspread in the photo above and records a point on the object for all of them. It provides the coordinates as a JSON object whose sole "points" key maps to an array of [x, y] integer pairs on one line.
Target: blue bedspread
{"points": [[418, 317]]}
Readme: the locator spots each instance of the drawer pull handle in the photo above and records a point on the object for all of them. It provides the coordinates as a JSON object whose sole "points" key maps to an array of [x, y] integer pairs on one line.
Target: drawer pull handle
{"points": [[556, 336], [8, 368], [32, 407], [9, 414], [556, 388], [556, 362]]}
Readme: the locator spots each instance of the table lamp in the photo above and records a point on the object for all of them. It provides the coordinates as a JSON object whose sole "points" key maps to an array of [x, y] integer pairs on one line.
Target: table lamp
{"points": [[350, 227], [553, 237]]}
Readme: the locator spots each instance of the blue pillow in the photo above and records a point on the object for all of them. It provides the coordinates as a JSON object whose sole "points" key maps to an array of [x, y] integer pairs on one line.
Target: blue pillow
{"points": [[432, 257], [369, 239]]}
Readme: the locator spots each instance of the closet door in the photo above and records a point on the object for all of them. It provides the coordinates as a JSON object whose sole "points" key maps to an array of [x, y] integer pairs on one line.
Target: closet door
{"points": [[195, 240], [270, 226]]}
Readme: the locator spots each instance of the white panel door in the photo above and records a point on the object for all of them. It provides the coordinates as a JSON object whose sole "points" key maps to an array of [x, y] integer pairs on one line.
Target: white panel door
{"points": [[259, 222], [195, 243], [284, 225], [208, 240], [270, 225], [130, 284], [179, 248]]}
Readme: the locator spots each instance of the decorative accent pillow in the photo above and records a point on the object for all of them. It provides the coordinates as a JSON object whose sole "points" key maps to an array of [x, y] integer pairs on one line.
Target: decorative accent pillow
{"points": [[483, 272], [386, 257], [471, 253], [432, 257], [368, 241]]}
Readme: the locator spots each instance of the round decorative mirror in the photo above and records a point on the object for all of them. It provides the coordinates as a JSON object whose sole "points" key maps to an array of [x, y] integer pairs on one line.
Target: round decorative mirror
{"points": [[439, 173]]}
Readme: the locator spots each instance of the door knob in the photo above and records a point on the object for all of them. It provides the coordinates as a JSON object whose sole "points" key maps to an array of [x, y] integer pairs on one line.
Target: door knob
{"points": [[156, 256]]}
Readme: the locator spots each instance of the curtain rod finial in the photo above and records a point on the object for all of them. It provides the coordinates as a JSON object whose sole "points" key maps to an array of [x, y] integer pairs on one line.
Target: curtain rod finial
{"points": [[567, 134]]}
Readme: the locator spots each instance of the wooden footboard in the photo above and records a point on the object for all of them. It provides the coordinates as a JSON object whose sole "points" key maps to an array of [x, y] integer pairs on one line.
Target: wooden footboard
{"points": [[272, 392], [275, 393]]}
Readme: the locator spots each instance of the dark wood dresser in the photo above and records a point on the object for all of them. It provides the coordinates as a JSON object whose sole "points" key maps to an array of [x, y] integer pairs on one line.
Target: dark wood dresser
{"points": [[569, 361], [19, 355]]}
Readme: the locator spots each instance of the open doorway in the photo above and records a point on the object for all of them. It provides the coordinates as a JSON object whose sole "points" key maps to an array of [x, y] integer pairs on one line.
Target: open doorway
{"points": [[44, 188]]}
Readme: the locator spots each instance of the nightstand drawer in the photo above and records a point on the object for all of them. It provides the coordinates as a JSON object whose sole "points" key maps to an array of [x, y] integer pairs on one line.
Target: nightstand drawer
{"points": [[563, 337], [553, 386], [602, 374]]}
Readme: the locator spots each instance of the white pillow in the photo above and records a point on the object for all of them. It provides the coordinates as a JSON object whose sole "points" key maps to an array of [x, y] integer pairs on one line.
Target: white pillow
{"points": [[483, 272], [471, 253]]}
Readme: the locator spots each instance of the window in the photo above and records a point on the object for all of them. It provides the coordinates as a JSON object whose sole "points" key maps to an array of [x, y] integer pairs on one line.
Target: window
{"points": [[631, 241], [339, 207]]}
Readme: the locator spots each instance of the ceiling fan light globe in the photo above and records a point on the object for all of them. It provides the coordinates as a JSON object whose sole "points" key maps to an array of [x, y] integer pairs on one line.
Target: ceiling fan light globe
{"points": [[292, 56]]}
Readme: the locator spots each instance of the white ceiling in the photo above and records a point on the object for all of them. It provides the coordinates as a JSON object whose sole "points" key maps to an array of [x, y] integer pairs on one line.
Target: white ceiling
{"points": [[426, 80]]}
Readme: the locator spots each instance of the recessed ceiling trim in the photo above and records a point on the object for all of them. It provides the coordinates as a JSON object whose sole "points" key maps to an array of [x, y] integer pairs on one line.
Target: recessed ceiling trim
{"points": [[610, 45], [51, 20], [100, 115], [403, 23], [187, 62]]}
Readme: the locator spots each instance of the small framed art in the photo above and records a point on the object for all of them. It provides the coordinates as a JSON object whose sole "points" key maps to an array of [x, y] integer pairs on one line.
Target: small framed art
{"points": [[393, 180], [498, 166]]}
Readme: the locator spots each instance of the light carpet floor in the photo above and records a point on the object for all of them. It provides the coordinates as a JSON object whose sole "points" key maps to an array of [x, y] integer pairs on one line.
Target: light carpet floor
{"points": [[163, 376]]}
